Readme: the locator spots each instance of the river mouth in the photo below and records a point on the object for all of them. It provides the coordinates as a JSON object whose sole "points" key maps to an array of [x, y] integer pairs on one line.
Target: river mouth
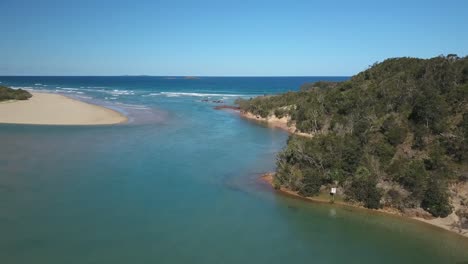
{"points": [[182, 190]]}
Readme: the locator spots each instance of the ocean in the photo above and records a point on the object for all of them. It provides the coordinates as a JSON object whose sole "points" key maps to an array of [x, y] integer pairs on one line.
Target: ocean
{"points": [[179, 184]]}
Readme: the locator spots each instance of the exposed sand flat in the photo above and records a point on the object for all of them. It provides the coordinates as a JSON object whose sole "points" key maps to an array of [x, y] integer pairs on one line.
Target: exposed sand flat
{"points": [[55, 109]]}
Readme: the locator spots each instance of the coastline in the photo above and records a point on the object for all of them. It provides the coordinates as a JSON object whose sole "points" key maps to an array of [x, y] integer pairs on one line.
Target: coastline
{"points": [[448, 223], [270, 121], [267, 178], [56, 109], [273, 121]]}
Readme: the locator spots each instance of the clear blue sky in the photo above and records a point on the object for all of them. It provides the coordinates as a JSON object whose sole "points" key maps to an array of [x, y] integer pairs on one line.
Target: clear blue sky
{"points": [[223, 38]]}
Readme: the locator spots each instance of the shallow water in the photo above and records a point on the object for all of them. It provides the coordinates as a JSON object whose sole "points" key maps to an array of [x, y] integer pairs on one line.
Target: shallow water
{"points": [[178, 184]]}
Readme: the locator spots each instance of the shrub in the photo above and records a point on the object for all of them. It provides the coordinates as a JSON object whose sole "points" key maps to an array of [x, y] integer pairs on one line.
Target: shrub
{"points": [[364, 189], [394, 132], [280, 112], [436, 199], [311, 183], [414, 178], [384, 151]]}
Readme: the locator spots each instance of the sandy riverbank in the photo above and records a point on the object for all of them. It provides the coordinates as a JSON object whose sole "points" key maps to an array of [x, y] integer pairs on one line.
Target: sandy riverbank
{"points": [[273, 121], [55, 109], [444, 223]]}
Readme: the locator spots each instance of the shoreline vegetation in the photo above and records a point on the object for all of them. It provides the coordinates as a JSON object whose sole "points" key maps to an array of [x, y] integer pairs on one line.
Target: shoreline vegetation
{"points": [[448, 223], [393, 138], [324, 197], [55, 109]]}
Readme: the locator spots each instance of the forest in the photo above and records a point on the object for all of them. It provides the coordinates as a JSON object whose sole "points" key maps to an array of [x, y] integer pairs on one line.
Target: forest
{"points": [[393, 135]]}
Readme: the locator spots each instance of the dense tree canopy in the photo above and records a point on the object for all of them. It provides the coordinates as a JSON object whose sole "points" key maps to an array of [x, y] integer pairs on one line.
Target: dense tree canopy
{"points": [[394, 134]]}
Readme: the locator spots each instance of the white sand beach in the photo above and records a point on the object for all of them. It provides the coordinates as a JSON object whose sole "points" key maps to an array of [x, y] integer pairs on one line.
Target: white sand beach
{"points": [[55, 109]]}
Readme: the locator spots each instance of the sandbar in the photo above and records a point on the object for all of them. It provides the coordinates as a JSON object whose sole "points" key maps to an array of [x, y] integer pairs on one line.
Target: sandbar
{"points": [[55, 109]]}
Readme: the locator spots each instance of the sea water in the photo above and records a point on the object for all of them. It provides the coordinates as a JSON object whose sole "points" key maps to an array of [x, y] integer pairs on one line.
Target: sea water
{"points": [[179, 184]]}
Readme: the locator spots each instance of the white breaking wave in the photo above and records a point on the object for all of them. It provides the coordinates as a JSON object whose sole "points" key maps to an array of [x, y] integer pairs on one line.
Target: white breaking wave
{"points": [[176, 94], [22, 87], [120, 92]]}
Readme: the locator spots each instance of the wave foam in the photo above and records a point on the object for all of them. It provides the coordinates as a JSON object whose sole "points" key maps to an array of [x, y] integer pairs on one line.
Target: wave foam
{"points": [[120, 92], [177, 94], [22, 87]]}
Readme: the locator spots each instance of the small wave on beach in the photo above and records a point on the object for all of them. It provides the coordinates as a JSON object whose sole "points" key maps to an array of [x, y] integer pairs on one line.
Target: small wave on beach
{"points": [[192, 94], [173, 94], [116, 92], [22, 87]]}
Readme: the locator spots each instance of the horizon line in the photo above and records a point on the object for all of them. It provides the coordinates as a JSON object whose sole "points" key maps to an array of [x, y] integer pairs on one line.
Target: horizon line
{"points": [[179, 76]]}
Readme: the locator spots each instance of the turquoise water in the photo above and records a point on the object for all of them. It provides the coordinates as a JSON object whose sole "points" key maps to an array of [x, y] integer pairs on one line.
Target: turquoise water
{"points": [[178, 184]]}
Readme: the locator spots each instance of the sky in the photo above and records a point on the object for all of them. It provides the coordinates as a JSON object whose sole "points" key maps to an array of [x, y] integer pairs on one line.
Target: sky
{"points": [[223, 38]]}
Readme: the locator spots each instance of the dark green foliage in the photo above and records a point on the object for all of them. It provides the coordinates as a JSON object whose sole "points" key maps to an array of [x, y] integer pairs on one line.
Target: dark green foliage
{"points": [[361, 130], [414, 178], [396, 168], [311, 183], [351, 154], [394, 132], [436, 200], [364, 189], [430, 110], [384, 151], [280, 112], [321, 160], [455, 144], [7, 93], [420, 133], [402, 121]]}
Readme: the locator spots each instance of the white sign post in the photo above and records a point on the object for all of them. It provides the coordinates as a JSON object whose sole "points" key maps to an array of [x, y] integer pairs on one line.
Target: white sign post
{"points": [[332, 193]]}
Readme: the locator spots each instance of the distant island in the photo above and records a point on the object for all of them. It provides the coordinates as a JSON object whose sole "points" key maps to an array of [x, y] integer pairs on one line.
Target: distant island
{"points": [[7, 93], [393, 136]]}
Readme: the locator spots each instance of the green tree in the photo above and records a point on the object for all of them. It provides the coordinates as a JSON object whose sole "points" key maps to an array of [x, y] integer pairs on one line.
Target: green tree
{"points": [[364, 189], [436, 199]]}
